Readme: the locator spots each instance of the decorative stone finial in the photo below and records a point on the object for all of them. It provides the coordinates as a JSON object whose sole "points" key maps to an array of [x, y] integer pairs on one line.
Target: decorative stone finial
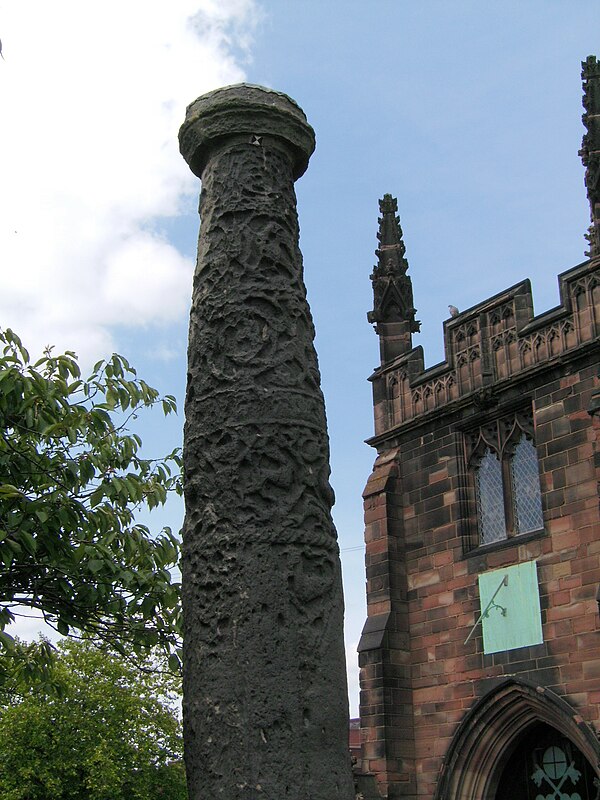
{"points": [[392, 288], [391, 251], [590, 148]]}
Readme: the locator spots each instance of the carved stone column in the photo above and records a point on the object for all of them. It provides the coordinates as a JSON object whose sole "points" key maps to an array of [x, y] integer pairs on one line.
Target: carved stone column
{"points": [[265, 704]]}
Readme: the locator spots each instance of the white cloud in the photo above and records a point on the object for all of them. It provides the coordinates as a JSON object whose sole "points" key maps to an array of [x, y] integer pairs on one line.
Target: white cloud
{"points": [[29, 624], [92, 98]]}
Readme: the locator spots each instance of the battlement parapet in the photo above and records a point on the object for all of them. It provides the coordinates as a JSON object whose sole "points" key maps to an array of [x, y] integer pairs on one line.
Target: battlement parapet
{"points": [[496, 340]]}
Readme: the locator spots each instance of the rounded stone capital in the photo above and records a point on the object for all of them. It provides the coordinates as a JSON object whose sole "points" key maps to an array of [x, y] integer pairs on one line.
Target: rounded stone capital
{"points": [[234, 112]]}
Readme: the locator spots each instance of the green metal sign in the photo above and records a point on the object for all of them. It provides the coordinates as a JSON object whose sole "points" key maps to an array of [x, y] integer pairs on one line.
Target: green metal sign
{"points": [[510, 608]]}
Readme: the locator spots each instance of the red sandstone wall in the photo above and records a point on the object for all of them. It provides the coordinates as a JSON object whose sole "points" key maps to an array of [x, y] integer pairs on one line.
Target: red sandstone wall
{"points": [[418, 679]]}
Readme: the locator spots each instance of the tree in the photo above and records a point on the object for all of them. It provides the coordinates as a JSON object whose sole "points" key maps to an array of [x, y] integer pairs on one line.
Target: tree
{"points": [[106, 732], [72, 480]]}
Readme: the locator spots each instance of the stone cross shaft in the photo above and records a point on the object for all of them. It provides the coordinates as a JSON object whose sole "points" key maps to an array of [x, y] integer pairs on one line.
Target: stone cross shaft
{"points": [[265, 704]]}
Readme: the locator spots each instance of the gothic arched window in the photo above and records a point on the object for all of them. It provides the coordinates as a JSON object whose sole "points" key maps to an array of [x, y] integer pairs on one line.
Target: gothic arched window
{"points": [[505, 479]]}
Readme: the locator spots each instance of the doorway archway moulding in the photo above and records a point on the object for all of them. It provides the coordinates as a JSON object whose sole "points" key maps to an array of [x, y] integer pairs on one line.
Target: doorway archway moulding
{"points": [[486, 737]]}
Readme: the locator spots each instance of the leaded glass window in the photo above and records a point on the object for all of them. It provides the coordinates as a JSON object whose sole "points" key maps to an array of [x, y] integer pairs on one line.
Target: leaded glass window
{"points": [[526, 493], [505, 479], [490, 498]]}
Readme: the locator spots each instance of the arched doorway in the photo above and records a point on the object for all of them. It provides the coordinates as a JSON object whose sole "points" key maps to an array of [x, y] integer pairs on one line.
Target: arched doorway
{"points": [[546, 765], [510, 728]]}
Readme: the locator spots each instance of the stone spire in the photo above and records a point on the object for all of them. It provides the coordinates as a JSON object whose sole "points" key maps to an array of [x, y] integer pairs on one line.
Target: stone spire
{"points": [[265, 699], [393, 312], [590, 148]]}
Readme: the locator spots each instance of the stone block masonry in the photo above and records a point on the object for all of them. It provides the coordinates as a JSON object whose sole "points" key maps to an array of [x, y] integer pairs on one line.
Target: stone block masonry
{"points": [[419, 681]]}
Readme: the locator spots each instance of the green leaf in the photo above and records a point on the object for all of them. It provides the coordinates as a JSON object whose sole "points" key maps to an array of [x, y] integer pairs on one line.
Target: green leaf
{"points": [[28, 542], [8, 490], [174, 662], [14, 546], [72, 484], [96, 496]]}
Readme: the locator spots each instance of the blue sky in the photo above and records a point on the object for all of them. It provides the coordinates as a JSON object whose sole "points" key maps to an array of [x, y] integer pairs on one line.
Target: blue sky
{"points": [[468, 112]]}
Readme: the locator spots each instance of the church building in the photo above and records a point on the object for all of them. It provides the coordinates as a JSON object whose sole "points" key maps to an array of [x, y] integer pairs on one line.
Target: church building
{"points": [[480, 656]]}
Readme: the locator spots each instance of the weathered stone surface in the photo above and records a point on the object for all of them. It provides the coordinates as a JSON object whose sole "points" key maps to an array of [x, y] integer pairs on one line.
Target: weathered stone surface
{"points": [[265, 706], [590, 148], [393, 312], [215, 117]]}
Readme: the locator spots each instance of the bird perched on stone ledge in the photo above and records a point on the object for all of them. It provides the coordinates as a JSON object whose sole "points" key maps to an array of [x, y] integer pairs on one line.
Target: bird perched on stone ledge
{"points": [[454, 312]]}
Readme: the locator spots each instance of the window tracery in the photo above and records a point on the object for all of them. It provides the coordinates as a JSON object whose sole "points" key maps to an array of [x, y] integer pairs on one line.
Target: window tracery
{"points": [[504, 475]]}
